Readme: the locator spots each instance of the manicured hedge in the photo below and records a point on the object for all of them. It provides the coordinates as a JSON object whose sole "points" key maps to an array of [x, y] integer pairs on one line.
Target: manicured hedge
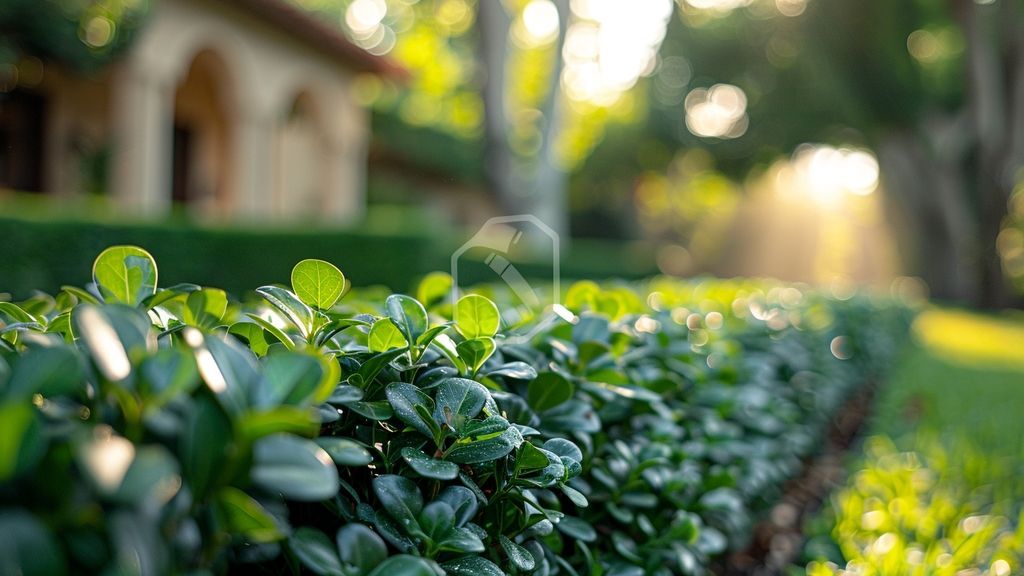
{"points": [[45, 254], [151, 431]]}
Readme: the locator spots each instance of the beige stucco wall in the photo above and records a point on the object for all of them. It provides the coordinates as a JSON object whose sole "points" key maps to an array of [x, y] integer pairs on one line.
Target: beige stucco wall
{"points": [[266, 70]]}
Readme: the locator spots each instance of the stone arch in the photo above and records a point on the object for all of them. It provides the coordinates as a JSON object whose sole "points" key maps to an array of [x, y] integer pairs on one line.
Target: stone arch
{"points": [[302, 162], [203, 140]]}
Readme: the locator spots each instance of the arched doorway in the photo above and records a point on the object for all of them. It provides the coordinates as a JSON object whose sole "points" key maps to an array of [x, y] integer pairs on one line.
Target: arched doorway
{"points": [[202, 148], [300, 190]]}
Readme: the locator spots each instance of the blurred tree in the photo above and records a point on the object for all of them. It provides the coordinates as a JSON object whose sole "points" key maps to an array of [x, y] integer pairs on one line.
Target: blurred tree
{"points": [[83, 34], [935, 88]]}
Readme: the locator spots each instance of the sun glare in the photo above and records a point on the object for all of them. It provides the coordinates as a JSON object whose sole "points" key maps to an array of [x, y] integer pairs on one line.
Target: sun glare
{"points": [[717, 112], [828, 173], [610, 46]]}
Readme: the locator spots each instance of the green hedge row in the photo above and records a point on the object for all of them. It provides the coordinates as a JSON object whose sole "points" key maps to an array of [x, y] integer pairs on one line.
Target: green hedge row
{"points": [[46, 254], [316, 429]]}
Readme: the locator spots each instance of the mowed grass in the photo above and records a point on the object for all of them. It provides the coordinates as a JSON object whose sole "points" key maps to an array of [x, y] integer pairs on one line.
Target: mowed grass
{"points": [[939, 486]]}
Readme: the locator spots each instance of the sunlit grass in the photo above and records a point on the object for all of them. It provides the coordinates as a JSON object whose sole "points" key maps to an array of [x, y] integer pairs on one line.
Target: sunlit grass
{"points": [[971, 338], [938, 487]]}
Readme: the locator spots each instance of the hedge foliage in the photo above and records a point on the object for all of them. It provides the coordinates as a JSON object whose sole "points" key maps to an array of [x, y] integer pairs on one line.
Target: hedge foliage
{"points": [[320, 430], [46, 253]]}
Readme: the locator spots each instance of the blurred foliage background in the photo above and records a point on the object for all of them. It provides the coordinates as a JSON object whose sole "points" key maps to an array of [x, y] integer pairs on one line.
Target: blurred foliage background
{"points": [[835, 142]]}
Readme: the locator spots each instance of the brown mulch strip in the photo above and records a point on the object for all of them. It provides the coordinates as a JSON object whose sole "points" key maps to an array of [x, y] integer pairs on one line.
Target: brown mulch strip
{"points": [[778, 538]]}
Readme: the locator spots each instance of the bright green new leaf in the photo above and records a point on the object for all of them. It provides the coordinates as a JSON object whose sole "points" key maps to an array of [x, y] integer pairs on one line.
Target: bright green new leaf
{"points": [[475, 352], [125, 274], [434, 288], [385, 335], [317, 283], [476, 317], [204, 308]]}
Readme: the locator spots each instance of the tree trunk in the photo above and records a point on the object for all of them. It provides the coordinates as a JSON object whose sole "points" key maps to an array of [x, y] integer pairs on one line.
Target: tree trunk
{"points": [[493, 24]]}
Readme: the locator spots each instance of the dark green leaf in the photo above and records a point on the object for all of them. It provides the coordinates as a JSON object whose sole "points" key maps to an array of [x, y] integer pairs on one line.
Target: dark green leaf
{"points": [[314, 549], [547, 390], [517, 555], [296, 468], [429, 467], [472, 566], [404, 565], [361, 547], [400, 497], [344, 451], [408, 314], [404, 398], [458, 396]]}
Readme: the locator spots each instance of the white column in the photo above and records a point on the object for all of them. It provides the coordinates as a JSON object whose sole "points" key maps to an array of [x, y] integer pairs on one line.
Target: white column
{"points": [[252, 183], [144, 116], [346, 169]]}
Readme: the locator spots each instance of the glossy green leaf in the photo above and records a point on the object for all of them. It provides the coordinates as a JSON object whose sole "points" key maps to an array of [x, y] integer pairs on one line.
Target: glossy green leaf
{"points": [[204, 446], [466, 451], [243, 515], [429, 467], [315, 551], [462, 500], [547, 390], [360, 547], [475, 352], [21, 442], [205, 308], [317, 283], [378, 410], [296, 468], [290, 379], [400, 497], [274, 331], [404, 398], [530, 457], [437, 520], [28, 548], [384, 336], [296, 311], [434, 288], [476, 317], [458, 400], [253, 335], [125, 274], [408, 314], [472, 566], [345, 451], [405, 565], [48, 371], [292, 419], [519, 557]]}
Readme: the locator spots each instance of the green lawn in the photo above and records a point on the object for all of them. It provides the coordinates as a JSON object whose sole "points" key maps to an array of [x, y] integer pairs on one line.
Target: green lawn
{"points": [[939, 487]]}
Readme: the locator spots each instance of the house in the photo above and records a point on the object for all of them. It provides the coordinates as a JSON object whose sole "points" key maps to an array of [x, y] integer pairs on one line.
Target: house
{"points": [[226, 109]]}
